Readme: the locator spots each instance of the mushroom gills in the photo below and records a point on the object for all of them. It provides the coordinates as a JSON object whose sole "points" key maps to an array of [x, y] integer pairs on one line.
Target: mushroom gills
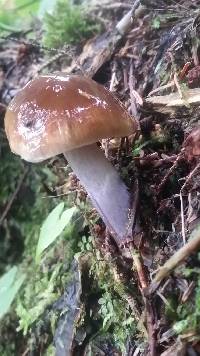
{"points": [[105, 188]]}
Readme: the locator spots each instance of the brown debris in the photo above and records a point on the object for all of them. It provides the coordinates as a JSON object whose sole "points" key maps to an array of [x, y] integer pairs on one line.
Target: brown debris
{"points": [[189, 248], [177, 349], [191, 144], [99, 50]]}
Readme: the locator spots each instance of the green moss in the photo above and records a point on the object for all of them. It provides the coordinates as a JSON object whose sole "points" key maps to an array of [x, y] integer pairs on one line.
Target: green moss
{"points": [[189, 314], [50, 351], [68, 24], [116, 318]]}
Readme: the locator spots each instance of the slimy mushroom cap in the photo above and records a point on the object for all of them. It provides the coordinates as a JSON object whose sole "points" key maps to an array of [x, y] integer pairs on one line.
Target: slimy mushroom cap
{"points": [[57, 113]]}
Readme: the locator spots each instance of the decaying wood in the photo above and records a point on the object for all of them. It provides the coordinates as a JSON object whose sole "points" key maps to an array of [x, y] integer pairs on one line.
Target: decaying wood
{"points": [[100, 49], [172, 102]]}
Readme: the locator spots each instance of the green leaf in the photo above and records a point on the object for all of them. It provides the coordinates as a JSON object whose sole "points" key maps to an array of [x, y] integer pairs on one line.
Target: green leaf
{"points": [[8, 278], [53, 226], [136, 150], [66, 23], [9, 287]]}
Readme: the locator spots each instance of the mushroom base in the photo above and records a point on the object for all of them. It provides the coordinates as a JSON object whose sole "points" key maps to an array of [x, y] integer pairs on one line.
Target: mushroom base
{"points": [[107, 191]]}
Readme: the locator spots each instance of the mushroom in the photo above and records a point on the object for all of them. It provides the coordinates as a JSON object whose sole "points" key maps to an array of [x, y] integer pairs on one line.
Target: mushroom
{"points": [[58, 113]]}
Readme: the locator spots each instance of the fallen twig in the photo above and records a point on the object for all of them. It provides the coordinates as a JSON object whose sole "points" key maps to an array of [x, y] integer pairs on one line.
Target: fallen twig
{"points": [[170, 172], [138, 265], [178, 86], [162, 87], [150, 318], [181, 199], [182, 219], [189, 248]]}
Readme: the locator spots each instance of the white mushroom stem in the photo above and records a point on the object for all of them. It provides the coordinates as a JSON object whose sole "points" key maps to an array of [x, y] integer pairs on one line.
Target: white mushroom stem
{"points": [[107, 191]]}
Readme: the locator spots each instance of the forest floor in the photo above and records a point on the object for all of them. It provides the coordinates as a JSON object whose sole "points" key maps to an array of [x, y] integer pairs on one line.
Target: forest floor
{"points": [[154, 69]]}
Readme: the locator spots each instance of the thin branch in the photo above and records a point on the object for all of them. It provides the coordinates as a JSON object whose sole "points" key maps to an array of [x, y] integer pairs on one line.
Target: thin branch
{"points": [[182, 219], [140, 269], [184, 252], [143, 280], [160, 88], [178, 86], [170, 172]]}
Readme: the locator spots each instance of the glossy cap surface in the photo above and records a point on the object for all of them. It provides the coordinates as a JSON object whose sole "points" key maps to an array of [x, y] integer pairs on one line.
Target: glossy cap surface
{"points": [[56, 113]]}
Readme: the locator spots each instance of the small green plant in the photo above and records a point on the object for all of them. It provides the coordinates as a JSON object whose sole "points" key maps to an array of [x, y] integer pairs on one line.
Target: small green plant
{"points": [[53, 226], [138, 145], [114, 313], [189, 314], [116, 317], [67, 24], [50, 275], [36, 299], [156, 23], [163, 18], [10, 283]]}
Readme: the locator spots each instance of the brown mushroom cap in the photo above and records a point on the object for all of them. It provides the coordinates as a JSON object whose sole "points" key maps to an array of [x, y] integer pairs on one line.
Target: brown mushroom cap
{"points": [[56, 113]]}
